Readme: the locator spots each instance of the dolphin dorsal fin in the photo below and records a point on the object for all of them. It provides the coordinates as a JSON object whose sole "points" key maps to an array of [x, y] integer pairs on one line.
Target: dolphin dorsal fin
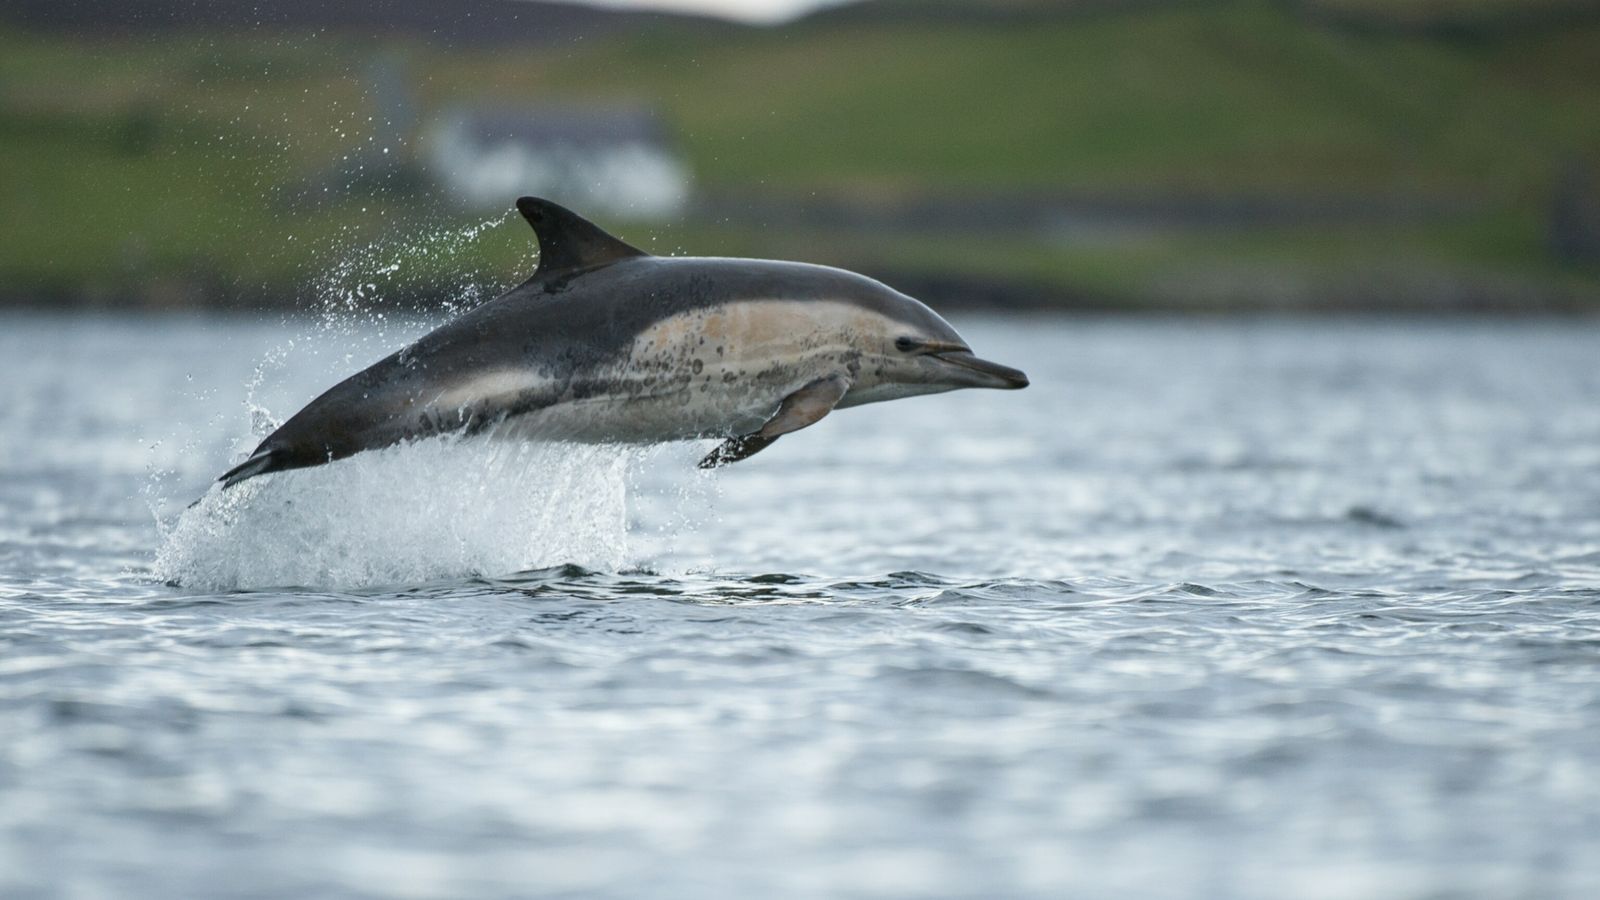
{"points": [[569, 243]]}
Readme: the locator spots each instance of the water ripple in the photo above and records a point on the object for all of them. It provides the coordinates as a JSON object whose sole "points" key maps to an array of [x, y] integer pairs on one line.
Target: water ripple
{"points": [[1242, 610]]}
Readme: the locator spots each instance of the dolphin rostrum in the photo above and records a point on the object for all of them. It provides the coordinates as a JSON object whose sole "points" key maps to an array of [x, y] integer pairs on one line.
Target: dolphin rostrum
{"points": [[606, 343]]}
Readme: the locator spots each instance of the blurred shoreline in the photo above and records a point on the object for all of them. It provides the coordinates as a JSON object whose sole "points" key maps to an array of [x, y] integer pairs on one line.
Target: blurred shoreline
{"points": [[1397, 298], [1093, 155]]}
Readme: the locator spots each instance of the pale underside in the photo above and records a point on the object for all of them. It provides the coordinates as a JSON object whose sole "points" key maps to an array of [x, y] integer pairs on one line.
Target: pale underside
{"points": [[710, 372]]}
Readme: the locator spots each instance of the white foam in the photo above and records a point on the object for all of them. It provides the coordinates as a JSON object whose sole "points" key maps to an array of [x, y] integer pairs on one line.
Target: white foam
{"points": [[436, 509], [433, 509]]}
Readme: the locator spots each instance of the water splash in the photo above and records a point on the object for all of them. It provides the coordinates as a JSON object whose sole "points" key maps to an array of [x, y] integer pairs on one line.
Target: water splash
{"points": [[434, 509], [441, 508]]}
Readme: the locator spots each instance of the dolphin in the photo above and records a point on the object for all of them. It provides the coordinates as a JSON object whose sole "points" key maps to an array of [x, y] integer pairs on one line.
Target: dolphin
{"points": [[609, 344]]}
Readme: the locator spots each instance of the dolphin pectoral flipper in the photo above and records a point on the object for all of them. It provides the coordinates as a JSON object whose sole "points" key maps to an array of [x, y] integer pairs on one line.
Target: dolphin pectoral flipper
{"points": [[804, 407], [734, 449]]}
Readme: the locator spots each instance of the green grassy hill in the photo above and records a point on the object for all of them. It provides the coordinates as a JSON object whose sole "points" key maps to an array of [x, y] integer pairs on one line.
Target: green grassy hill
{"points": [[167, 167]]}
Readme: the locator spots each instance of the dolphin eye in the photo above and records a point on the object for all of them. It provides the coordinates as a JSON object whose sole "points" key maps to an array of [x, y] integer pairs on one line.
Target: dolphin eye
{"points": [[906, 344]]}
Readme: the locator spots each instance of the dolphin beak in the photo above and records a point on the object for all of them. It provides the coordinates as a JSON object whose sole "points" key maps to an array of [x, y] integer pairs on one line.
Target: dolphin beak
{"points": [[983, 373]]}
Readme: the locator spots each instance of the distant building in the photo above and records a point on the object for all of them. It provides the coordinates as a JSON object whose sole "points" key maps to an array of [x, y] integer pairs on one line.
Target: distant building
{"points": [[606, 160]]}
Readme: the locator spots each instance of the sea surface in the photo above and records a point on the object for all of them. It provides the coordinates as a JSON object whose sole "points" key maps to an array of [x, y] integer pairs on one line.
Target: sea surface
{"points": [[1219, 608]]}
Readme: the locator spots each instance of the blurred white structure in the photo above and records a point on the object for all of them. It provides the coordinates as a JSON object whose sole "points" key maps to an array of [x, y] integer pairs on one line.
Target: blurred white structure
{"points": [[610, 161]]}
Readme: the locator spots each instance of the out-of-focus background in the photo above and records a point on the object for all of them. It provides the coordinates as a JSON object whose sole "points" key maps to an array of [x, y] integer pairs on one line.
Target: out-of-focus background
{"points": [[1206, 155], [1231, 606]]}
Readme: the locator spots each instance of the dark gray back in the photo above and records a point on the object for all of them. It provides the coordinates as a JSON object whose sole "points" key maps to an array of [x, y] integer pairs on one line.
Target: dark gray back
{"points": [[578, 322]]}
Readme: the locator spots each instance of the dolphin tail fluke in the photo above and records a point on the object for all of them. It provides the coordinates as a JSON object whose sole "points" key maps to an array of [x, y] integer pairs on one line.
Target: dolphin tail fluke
{"points": [[259, 463]]}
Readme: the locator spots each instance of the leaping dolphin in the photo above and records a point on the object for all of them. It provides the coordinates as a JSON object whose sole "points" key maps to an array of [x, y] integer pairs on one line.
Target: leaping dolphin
{"points": [[608, 344]]}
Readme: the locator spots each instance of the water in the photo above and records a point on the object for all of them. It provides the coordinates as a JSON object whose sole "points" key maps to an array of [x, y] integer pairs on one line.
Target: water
{"points": [[1216, 608]]}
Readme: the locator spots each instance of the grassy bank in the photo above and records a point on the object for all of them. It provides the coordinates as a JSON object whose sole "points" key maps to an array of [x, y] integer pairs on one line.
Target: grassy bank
{"points": [[179, 168]]}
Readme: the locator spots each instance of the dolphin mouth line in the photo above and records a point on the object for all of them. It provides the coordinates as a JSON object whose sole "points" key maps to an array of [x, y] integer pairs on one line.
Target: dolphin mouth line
{"points": [[1011, 379]]}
